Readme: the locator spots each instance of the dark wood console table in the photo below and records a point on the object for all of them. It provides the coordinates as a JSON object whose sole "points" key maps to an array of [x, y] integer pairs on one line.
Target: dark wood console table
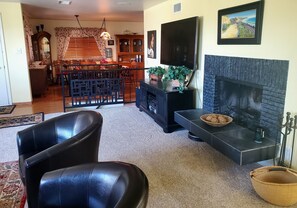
{"points": [[234, 141], [160, 101]]}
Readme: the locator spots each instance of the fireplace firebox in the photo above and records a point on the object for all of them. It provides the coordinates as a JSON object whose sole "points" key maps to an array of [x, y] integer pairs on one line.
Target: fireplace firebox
{"points": [[242, 101]]}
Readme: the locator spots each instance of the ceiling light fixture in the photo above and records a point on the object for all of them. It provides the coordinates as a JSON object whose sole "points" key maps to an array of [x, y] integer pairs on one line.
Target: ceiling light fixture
{"points": [[82, 30], [76, 16], [104, 34], [65, 2]]}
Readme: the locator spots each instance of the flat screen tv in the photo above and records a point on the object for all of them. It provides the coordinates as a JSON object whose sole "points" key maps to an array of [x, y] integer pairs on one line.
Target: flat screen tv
{"points": [[179, 43]]}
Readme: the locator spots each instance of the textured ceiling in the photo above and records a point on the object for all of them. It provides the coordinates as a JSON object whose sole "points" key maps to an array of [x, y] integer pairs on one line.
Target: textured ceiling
{"points": [[112, 10]]}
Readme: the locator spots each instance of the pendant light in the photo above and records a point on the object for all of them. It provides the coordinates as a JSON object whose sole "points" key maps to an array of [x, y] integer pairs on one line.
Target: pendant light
{"points": [[104, 34], [82, 30], [76, 16]]}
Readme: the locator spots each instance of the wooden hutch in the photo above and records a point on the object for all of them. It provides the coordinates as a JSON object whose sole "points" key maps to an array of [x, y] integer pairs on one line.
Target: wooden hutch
{"points": [[130, 49]]}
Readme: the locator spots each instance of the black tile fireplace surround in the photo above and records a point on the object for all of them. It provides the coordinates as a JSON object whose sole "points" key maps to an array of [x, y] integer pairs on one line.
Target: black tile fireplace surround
{"points": [[269, 75], [234, 140]]}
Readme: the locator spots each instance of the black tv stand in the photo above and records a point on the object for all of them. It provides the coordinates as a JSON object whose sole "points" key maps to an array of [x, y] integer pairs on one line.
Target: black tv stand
{"points": [[159, 100]]}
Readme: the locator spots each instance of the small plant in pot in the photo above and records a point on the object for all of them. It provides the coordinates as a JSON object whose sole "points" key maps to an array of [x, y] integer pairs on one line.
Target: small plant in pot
{"points": [[156, 73], [178, 74]]}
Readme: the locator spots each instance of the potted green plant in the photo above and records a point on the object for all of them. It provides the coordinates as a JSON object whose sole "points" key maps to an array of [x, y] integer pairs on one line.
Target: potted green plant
{"points": [[177, 74], [156, 73]]}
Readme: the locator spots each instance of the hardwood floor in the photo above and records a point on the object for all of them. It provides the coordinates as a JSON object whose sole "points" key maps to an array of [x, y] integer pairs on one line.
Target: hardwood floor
{"points": [[52, 102], [49, 102]]}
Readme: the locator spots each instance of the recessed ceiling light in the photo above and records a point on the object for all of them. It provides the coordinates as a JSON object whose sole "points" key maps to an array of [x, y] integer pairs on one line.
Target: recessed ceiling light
{"points": [[65, 2]]}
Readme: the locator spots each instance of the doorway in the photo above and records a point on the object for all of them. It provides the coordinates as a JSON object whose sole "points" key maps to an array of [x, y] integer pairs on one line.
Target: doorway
{"points": [[5, 95]]}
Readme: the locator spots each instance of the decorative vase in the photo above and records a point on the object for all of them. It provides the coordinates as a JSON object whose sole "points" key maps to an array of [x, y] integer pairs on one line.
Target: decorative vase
{"points": [[175, 83], [156, 77], [178, 85]]}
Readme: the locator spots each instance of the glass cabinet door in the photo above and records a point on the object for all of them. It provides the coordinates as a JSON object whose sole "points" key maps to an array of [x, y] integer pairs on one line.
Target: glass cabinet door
{"points": [[41, 47], [44, 46], [137, 45], [35, 50], [124, 45]]}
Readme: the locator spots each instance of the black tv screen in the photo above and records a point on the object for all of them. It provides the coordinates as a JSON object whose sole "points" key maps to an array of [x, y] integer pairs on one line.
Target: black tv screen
{"points": [[179, 43]]}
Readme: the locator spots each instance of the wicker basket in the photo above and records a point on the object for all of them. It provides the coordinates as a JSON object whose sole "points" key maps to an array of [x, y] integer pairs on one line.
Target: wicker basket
{"points": [[275, 184]]}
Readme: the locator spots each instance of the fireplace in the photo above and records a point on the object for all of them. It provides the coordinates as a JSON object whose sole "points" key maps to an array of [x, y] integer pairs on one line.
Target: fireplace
{"points": [[250, 90], [242, 101]]}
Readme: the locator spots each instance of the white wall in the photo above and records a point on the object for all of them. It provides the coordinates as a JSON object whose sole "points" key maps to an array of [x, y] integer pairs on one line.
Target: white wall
{"points": [[16, 52], [112, 27], [278, 37]]}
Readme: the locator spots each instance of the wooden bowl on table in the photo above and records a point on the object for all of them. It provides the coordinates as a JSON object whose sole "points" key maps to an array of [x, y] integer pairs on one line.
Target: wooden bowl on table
{"points": [[216, 120]]}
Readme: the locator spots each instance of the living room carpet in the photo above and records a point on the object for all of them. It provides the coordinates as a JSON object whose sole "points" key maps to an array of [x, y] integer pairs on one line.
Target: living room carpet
{"points": [[21, 120], [12, 193], [6, 109], [182, 173]]}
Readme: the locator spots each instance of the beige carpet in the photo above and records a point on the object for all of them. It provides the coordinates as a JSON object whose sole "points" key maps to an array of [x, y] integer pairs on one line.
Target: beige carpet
{"points": [[181, 172]]}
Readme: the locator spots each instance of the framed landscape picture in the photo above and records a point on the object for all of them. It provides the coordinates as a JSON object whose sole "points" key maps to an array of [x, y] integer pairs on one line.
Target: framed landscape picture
{"points": [[241, 24]]}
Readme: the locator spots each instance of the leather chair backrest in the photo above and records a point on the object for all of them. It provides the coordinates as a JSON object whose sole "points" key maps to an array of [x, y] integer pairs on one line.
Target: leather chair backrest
{"points": [[57, 130], [95, 185]]}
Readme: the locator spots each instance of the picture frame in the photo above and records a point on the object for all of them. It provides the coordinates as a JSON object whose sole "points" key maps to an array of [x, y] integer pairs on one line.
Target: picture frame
{"points": [[241, 24], [151, 44], [108, 52], [110, 42]]}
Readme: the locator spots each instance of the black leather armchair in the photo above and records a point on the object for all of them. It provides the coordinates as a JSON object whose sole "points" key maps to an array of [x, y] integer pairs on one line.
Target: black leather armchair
{"points": [[64, 141], [95, 185]]}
